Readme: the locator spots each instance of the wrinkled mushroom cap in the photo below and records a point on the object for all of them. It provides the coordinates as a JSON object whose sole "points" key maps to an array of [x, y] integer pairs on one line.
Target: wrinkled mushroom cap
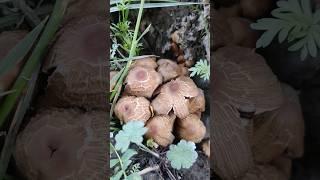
{"points": [[197, 104], [142, 81], [160, 129], [131, 108], [169, 69], [61, 144], [191, 128], [8, 40], [173, 96], [80, 70], [146, 61]]}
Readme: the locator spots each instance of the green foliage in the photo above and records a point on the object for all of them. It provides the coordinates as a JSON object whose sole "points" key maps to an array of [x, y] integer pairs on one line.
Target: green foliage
{"points": [[182, 155], [202, 69], [295, 22], [132, 132]]}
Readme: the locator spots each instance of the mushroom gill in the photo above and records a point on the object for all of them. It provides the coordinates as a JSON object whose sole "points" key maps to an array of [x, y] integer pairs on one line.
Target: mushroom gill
{"points": [[280, 131], [169, 69], [142, 81], [246, 78], [191, 128], [80, 71], [160, 129], [131, 108], [8, 40], [173, 95], [63, 144]]}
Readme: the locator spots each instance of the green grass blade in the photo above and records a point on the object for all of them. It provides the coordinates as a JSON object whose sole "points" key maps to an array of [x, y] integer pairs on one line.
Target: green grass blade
{"points": [[155, 5], [113, 2], [38, 53], [21, 49]]}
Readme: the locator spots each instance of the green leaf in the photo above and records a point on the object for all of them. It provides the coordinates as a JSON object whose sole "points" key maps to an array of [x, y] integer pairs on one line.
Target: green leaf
{"points": [[114, 162], [21, 49], [304, 53], [128, 154], [316, 17], [134, 176], [312, 47], [117, 176], [298, 45], [306, 7], [266, 38], [182, 155], [133, 132], [283, 34]]}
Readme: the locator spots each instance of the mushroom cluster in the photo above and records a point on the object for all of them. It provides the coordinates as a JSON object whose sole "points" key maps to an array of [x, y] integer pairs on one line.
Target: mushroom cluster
{"points": [[159, 93]]}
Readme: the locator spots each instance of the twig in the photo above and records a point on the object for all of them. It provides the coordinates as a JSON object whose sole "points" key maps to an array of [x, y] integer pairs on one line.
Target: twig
{"points": [[148, 169], [146, 149], [22, 108]]}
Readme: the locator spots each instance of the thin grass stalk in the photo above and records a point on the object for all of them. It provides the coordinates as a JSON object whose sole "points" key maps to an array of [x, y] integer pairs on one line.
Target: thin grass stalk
{"points": [[115, 94], [10, 140], [9, 102]]}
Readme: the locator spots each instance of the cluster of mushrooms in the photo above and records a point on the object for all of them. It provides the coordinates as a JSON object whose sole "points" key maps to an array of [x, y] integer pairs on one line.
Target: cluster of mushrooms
{"points": [[161, 94], [66, 138], [258, 126]]}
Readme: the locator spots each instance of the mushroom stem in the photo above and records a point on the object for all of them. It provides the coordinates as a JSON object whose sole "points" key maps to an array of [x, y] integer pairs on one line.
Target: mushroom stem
{"points": [[148, 169], [146, 149]]}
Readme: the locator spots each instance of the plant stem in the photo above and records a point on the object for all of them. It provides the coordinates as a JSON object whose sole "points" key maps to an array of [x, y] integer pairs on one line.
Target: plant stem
{"points": [[36, 56], [148, 169], [120, 161], [146, 149], [131, 55]]}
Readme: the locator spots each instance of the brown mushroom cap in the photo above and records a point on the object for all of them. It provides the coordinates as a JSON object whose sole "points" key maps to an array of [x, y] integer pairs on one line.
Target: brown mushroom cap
{"points": [[131, 108], [247, 80], [160, 129], [191, 128], [198, 103], [281, 131], [147, 61], [82, 8], [169, 69], [63, 144], [142, 81], [173, 96], [255, 9], [80, 70], [8, 40]]}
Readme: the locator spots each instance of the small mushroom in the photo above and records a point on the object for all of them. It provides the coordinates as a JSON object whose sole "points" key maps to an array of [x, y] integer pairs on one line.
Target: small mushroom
{"points": [[169, 69], [206, 147], [142, 81], [191, 128], [221, 29], [8, 40], [63, 144], [160, 129], [198, 103], [173, 95], [131, 108], [147, 61]]}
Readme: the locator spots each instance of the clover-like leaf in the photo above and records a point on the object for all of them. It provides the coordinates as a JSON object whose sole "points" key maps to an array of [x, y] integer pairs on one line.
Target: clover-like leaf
{"points": [[182, 155], [134, 176], [132, 132]]}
